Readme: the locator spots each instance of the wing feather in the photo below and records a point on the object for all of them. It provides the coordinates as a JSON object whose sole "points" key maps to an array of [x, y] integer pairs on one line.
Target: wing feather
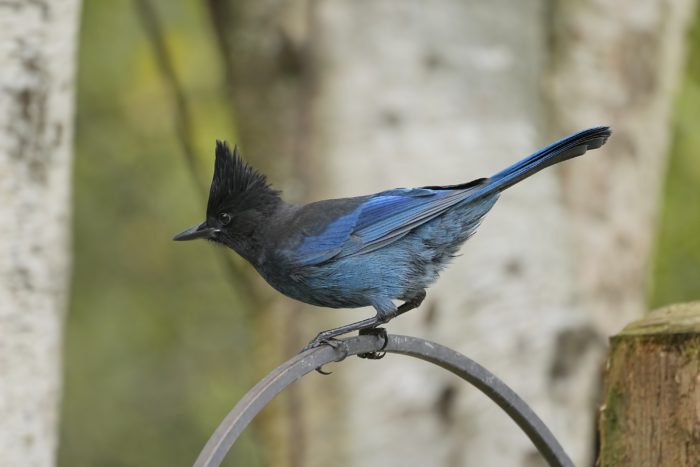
{"points": [[380, 221]]}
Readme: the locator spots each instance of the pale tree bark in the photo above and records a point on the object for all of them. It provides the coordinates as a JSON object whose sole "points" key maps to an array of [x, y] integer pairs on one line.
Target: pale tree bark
{"points": [[37, 64], [451, 92], [410, 93], [619, 61]]}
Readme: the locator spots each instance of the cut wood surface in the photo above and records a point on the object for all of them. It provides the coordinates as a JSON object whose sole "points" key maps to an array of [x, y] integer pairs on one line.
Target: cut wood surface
{"points": [[651, 413]]}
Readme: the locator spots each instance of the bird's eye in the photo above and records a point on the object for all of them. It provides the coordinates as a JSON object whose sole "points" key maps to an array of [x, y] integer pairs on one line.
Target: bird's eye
{"points": [[224, 218]]}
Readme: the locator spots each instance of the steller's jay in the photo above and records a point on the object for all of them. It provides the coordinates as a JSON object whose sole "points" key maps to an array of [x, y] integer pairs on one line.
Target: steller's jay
{"points": [[363, 251]]}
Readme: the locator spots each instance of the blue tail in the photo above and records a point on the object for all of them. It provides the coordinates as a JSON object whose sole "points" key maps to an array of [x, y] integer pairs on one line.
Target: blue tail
{"points": [[567, 148]]}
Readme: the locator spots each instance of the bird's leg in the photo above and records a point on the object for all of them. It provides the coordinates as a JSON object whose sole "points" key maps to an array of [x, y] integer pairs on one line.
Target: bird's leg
{"points": [[381, 332], [386, 311], [325, 336], [412, 303]]}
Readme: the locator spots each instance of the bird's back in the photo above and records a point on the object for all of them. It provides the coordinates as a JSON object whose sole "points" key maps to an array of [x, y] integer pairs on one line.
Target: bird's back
{"points": [[389, 244]]}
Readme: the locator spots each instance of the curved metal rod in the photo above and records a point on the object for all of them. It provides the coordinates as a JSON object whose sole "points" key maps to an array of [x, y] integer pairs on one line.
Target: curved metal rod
{"points": [[262, 393]]}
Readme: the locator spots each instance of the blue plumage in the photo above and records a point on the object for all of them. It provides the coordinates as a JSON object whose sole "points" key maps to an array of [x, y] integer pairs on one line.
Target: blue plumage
{"points": [[364, 251], [381, 218]]}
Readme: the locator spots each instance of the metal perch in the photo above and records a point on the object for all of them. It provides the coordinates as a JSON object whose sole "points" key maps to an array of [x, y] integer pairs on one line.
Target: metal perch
{"points": [[262, 393]]}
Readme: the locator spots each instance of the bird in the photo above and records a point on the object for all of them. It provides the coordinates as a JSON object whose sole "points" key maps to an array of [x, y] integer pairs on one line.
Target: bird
{"points": [[373, 250]]}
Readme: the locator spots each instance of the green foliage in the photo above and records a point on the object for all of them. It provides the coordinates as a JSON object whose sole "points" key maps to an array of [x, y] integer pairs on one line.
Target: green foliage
{"points": [[156, 340], [676, 271]]}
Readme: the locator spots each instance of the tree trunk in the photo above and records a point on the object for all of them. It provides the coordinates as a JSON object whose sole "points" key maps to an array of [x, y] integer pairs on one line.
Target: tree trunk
{"points": [[37, 64], [651, 415], [617, 62], [390, 93], [411, 95], [441, 95], [263, 46]]}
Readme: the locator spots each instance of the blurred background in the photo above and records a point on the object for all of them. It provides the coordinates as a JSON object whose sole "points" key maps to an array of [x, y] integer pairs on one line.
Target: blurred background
{"points": [[162, 339], [158, 335]]}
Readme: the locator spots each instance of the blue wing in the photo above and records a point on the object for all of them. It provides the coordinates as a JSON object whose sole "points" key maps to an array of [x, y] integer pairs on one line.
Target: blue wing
{"points": [[386, 217], [379, 221]]}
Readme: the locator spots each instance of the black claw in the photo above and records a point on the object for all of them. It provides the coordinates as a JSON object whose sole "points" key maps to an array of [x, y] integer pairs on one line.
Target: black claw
{"points": [[334, 343], [372, 355], [378, 332]]}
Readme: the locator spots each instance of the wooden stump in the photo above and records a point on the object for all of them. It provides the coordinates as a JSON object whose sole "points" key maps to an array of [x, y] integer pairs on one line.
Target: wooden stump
{"points": [[651, 412]]}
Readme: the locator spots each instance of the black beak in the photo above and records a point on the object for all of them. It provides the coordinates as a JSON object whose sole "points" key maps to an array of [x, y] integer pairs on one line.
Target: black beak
{"points": [[197, 231]]}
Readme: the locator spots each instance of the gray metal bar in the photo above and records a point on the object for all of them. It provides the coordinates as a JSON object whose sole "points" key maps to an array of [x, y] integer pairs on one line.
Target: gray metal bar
{"points": [[275, 382]]}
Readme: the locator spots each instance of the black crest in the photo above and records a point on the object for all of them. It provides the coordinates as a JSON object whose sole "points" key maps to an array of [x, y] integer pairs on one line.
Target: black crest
{"points": [[236, 185]]}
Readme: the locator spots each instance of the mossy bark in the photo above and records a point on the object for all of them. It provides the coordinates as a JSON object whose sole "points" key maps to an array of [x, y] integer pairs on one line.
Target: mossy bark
{"points": [[651, 413]]}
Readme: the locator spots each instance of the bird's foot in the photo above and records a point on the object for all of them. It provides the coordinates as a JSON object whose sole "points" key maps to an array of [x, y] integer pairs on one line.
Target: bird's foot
{"points": [[328, 337], [337, 344], [323, 340], [325, 336], [378, 332]]}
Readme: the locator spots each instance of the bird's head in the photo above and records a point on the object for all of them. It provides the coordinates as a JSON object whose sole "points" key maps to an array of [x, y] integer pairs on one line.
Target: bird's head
{"points": [[240, 200]]}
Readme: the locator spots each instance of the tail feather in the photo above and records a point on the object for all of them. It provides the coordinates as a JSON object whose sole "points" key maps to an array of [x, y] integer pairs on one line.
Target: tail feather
{"points": [[567, 148]]}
